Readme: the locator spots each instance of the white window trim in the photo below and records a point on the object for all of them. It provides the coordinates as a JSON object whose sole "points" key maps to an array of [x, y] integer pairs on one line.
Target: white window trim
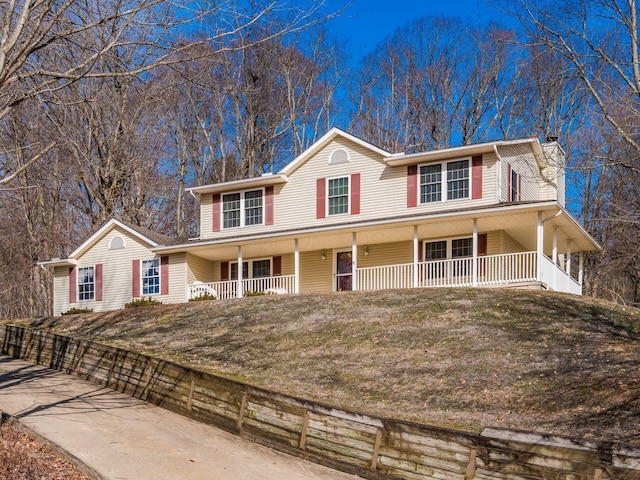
{"points": [[339, 162], [449, 241], [443, 181], [250, 262], [348, 212], [242, 208], [78, 283], [142, 260]]}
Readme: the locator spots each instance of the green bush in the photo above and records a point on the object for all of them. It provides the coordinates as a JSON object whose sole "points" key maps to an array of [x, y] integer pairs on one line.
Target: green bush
{"points": [[74, 310], [254, 294], [142, 302]]}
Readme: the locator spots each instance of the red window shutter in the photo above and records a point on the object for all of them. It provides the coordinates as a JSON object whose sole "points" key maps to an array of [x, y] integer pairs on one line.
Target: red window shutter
{"points": [[215, 206], [355, 194], [98, 280], [224, 271], [482, 245], [164, 275], [321, 197], [412, 186], [268, 205], [135, 278], [508, 182], [73, 284], [420, 250], [476, 176], [277, 266]]}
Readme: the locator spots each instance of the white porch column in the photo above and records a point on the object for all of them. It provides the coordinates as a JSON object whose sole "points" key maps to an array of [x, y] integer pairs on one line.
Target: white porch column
{"points": [[296, 268], [354, 262], [239, 292], [474, 275], [580, 268], [539, 247], [555, 255], [568, 264], [416, 256]]}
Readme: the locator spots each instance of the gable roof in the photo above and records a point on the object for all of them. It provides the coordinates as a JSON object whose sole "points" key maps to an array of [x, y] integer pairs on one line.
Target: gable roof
{"points": [[153, 239], [322, 142]]}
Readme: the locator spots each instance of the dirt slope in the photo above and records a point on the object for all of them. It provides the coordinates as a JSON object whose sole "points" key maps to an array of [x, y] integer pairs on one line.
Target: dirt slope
{"points": [[457, 358]]}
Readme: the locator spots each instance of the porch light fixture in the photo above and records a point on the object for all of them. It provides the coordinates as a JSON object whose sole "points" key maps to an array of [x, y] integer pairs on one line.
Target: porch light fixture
{"points": [[324, 257], [366, 251]]}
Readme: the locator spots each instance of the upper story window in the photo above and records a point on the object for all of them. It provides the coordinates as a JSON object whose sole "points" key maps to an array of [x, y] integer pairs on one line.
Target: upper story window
{"points": [[242, 209], [86, 283], [151, 277], [444, 181], [338, 195], [515, 185]]}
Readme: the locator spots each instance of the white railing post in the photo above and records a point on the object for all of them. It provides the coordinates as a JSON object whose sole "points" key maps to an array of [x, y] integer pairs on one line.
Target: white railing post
{"points": [[568, 262], [580, 268], [539, 247], [416, 256]]}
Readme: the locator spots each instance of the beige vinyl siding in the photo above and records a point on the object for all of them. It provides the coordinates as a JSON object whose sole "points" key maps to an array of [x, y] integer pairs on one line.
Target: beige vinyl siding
{"points": [[61, 290], [288, 264], [117, 274], [383, 192], [381, 254], [494, 243], [509, 245], [200, 269], [177, 280], [316, 275], [522, 160]]}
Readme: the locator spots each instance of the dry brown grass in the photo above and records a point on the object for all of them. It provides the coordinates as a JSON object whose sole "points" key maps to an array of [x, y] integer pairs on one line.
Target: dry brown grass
{"points": [[457, 358], [25, 458]]}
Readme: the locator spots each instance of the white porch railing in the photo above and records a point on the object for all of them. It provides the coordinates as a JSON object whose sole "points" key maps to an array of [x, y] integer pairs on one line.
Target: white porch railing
{"points": [[490, 270], [558, 279], [229, 289]]}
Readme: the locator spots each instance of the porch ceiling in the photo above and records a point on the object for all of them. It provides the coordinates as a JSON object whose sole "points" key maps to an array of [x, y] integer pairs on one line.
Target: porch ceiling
{"points": [[518, 221]]}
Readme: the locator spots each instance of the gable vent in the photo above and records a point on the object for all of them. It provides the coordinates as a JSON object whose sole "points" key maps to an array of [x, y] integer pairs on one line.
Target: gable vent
{"points": [[339, 156], [116, 242]]}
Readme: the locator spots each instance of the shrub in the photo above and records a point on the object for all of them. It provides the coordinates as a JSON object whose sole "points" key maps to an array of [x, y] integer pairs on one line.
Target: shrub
{"points": [[254, 294], [142, 302], [74, 310], [204, 296]]}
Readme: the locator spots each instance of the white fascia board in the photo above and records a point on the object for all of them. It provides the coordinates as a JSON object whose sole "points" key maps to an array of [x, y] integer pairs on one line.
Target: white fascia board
{"points": [[461, 151], [58, 262], [325, 139], [264, 180], [105, 229]]}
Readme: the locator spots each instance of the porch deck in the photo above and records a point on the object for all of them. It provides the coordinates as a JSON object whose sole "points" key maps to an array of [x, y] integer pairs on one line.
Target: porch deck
{"points": [[492, 270]]}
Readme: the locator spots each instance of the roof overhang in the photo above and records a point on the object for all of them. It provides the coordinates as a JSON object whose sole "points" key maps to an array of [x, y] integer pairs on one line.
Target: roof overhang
{"points": [[519, 219], [262, 181], [58, 262], [463, 151]]}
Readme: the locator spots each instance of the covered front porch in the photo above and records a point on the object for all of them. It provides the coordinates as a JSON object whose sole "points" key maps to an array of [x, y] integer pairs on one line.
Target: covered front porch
{"points": [[525, 245]]}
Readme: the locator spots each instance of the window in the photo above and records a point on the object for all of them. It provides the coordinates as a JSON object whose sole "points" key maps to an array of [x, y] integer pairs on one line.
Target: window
{"points": [[234, 204], [151, 277], [259, 269], [458, 180], [339, 155], [514, 194], [461, 247], [86, 283], [444, 181], [116, 243], [435, 250], [338, 195], [456, 248], [430, 183]]}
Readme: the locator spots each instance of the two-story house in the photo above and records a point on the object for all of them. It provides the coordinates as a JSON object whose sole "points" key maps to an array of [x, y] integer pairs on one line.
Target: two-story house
{"points": [[346, 215]]}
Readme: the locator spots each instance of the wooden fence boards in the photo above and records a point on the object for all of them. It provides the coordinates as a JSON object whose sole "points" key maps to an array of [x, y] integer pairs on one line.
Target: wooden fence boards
{"points": [[371, 447]]}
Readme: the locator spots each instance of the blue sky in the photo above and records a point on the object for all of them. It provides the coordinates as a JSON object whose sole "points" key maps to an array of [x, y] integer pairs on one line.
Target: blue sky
{"points": [[365, 23]]}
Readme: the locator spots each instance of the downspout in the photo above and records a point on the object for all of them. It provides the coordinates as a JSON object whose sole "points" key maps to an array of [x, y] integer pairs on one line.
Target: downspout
{"points": [[499, 164]]}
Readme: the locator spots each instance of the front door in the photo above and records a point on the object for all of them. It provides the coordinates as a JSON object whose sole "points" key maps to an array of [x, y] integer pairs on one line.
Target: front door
{"points": [[343, 271]]}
